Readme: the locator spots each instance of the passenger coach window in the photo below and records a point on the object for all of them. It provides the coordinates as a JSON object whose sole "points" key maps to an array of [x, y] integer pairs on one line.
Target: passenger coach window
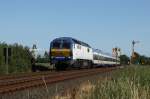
{"points": [[78, 46], [88, 50]]}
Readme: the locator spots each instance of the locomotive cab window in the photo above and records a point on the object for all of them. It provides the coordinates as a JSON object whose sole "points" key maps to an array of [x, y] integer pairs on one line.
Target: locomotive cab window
{"points": [[56, 44], [66, 44]]}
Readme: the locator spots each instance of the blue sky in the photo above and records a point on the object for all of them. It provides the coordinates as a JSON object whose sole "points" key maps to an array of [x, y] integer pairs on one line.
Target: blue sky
{"points": [[103, 24]]}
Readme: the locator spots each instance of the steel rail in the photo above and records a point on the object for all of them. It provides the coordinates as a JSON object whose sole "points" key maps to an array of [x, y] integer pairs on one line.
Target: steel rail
{"points": [[39, 80]]}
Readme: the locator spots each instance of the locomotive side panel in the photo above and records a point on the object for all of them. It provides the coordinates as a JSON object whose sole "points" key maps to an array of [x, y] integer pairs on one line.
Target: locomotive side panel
{"points": [[82, 52]]}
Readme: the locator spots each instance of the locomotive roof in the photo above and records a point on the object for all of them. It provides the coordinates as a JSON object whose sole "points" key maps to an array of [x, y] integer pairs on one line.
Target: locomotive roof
{"points": [[80, 42], [74, 40]]}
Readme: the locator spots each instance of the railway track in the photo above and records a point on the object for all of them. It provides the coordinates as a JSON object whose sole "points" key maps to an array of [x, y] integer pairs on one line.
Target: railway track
{"points": [[10, 84]]}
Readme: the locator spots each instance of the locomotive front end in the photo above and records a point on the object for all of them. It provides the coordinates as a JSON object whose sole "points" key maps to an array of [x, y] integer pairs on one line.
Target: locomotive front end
{"points": [[61, 52]]}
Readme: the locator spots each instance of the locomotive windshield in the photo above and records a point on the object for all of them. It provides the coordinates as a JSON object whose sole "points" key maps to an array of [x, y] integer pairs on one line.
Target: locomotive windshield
{"points": [[66, 44], [61, 44]]}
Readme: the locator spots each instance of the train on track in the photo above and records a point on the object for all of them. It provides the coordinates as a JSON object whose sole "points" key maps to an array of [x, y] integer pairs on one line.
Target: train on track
{"points": [[67, 52]]}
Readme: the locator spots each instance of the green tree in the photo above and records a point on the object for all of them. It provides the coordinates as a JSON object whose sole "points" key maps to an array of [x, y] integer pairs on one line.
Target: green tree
{"points": [[44, 59], [124, 59], [135, 58], [144, 60], [46, 55], [19, 61]]}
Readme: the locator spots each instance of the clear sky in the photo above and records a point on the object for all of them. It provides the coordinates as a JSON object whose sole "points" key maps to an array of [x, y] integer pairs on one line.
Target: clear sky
{"points": [[101, 23]]}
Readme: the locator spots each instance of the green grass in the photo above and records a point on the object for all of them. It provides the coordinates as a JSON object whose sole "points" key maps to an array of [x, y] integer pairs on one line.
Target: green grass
{"points": [[129, 83]]}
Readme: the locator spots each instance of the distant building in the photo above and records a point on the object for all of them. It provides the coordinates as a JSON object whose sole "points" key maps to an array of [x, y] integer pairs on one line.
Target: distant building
{"points": [[116, 52]]}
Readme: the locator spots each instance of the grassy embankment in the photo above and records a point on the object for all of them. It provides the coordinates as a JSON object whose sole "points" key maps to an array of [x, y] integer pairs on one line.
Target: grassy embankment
{"points": [[129, 83]]}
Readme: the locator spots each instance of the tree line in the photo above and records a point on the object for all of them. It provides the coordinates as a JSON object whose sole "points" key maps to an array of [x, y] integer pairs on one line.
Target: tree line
{"points": [[136, 59], [19, 61], [140, 59]]}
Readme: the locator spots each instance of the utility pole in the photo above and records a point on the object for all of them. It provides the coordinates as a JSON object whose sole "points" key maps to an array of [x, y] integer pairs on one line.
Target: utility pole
{"points": [[7, 54]]}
